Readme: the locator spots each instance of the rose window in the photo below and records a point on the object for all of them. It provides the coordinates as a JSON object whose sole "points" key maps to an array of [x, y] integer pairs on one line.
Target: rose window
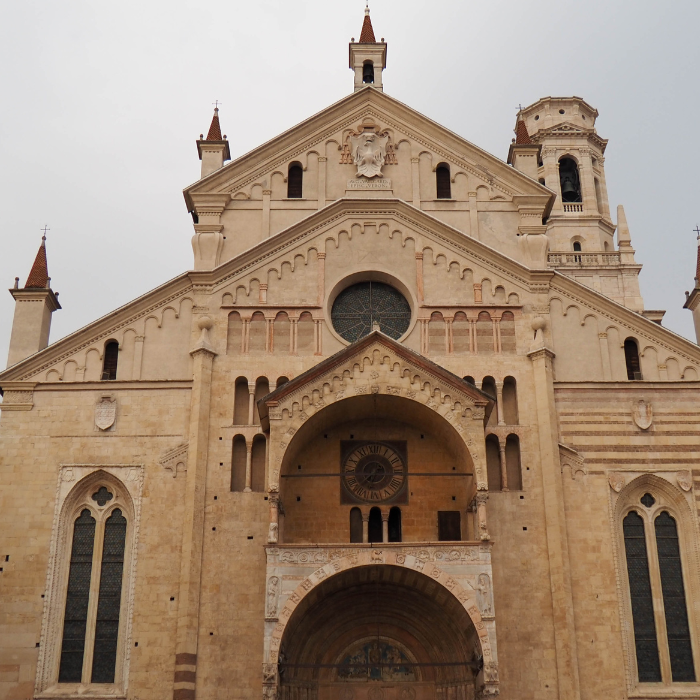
{"points": [[359, 307]]}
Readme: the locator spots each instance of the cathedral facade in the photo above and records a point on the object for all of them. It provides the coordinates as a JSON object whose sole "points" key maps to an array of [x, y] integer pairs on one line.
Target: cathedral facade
{"points": [[404, 432]]}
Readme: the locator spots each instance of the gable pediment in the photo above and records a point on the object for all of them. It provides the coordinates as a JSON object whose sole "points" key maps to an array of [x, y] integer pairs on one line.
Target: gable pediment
{"points": [[385, 366], [324, 135]]}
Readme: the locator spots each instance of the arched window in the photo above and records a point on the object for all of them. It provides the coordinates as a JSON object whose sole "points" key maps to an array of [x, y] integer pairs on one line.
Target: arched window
{"points": [[92, 619], [460, 333], [493, 463], [442, 179], [295, 181], [368, 73], [257, 465], [111, 360], [657, 595], [395, 524], [241, 402], [437, 343], [470, 380], [507, 323], [234, 336], [375, 525], [513, 470], [356, 526], [634, 369], [569, 180], [577, 247], [238, 464], [510, 401], [281, 381]]}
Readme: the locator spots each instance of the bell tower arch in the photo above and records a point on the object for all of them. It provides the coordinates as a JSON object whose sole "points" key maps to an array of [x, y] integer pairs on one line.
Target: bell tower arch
{"points": [[368, 57]]}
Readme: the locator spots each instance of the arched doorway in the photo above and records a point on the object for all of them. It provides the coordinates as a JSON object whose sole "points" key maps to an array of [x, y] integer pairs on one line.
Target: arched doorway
{"points": [[380, 633]]}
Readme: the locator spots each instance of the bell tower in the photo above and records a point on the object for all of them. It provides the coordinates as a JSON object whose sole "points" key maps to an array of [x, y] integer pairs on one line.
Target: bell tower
{"points": [[34, 306], [580, 229], [368, 57]]}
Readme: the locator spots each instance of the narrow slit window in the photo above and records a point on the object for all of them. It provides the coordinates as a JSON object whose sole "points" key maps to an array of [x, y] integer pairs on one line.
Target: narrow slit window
{"points": [[111, 360], [109, 602], [675, 607], [442, 177], [634, 369], [395, 524], [295, 181], [77, 599], [645, 640]]}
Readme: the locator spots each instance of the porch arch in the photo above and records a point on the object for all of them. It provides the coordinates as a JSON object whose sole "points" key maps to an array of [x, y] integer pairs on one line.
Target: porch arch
{"points": [[409, 572]]}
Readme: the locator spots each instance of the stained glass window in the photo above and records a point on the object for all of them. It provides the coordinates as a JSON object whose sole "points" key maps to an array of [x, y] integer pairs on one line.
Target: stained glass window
{"points": [[646, 645], [675, 608], [358, 307], [77, 598], [107, 624]]}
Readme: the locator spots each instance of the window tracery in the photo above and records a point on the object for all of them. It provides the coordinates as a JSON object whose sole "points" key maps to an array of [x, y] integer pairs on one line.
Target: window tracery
{"points": [[86, 623], [656, 577]]}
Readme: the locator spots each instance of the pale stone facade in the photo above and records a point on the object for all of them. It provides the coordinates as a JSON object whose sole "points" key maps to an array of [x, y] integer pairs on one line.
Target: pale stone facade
{"points": [[534, 408]]}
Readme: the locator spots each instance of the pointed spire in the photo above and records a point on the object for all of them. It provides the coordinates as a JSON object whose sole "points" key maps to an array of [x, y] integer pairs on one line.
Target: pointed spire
{"points": [[367, 35], [39, 275], [215, 128], [624, 239], [697, 267], [522, 138]]}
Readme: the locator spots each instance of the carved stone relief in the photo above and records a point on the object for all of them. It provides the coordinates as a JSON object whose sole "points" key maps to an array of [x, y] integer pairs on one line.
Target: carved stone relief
{"points": [[685, 479], [642, 414], [106, 412]]}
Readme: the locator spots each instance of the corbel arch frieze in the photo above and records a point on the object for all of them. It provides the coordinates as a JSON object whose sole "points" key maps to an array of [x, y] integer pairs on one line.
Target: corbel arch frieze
{"points": [[377, 370]]}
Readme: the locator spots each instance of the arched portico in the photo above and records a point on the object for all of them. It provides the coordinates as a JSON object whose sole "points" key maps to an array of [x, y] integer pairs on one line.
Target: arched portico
{"points": [[379, 367], [378, 385], [422, 603]]}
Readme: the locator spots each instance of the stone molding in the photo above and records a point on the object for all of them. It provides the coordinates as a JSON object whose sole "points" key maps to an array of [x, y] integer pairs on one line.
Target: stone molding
{"points": [[75, 480]]}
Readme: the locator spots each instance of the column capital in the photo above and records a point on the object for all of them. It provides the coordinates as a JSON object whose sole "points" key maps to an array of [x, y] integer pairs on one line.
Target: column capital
{"points": [[540, 353]]}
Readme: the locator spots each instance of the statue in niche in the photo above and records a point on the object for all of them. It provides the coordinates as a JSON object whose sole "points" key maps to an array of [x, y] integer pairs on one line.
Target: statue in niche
{"points": [[272, 588], [369, 150], [483, 592]]}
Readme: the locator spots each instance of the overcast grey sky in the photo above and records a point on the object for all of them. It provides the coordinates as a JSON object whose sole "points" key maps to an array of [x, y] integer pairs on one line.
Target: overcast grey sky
{"points": [[102, 103]]}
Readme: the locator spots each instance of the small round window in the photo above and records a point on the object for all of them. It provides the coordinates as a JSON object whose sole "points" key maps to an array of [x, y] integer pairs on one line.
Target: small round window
{"points": [[358, 307]]}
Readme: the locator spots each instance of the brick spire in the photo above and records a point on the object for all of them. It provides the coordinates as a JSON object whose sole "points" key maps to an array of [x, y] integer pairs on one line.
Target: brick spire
{"points": [[367, 36], [521, 136], [39, 275], [215, 128]]}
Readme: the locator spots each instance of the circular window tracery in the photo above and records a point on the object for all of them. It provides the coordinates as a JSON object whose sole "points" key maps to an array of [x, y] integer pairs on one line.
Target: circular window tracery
{"points": [[358, 307]]}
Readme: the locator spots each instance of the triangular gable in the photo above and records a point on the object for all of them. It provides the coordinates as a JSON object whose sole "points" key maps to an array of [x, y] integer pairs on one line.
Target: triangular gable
{"points": [[346, 114], [474, 397]]}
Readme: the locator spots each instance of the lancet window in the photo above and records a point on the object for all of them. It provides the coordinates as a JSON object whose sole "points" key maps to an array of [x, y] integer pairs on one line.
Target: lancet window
{"points": [[110, 361], [94, 572], [656, 578]]}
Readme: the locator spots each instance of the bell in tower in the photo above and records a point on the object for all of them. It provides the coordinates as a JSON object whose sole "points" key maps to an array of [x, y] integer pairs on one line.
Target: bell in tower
{"points": [[570, 182], [368, 57]]}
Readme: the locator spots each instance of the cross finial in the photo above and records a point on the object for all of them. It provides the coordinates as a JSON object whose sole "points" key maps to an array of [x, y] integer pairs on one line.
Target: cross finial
{"points": [[697, 230], [45, 229], [367, 8], [216, 105]]}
